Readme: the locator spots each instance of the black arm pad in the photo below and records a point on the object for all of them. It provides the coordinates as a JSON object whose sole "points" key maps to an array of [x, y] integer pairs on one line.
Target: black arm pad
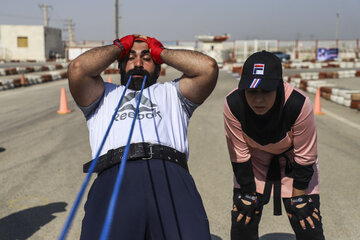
{"points": [[244, 176], [302, 175]]}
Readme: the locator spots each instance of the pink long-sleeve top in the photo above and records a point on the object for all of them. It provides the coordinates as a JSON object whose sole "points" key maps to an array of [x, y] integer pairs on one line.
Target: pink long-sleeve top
{"points": [[302, 136]]}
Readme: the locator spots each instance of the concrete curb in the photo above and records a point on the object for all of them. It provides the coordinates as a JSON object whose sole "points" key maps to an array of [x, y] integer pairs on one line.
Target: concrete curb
{"points": [[22, 70], [343, 96], [32, 79]]}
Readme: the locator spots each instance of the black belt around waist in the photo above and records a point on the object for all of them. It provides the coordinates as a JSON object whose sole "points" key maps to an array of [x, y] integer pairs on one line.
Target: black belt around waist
{"points": [[273, 178], [138, 151]]}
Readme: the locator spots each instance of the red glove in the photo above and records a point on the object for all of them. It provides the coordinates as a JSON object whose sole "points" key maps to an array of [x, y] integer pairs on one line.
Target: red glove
{"points": [[156, 49], [124, 44]]}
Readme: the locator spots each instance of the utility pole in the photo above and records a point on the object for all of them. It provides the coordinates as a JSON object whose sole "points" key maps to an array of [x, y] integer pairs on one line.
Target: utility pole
{"points": [[46, 18], [119, 19], [297, 46], [116, 19], [70, 31], [337, 30]]}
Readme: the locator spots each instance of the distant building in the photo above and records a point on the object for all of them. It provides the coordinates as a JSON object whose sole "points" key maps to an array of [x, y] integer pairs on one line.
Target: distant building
{"points": [[21, 42], [74, 49]]}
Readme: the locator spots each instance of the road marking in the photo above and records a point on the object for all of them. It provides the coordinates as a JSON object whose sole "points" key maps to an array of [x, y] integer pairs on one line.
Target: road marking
{"points": [[351, 124], [27, 202]]}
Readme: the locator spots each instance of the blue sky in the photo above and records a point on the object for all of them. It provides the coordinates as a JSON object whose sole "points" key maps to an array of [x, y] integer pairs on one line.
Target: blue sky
{"points": [[182, 20]]}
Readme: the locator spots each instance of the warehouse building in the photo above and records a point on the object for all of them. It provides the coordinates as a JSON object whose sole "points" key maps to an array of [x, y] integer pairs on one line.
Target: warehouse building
{"points": [[39, 43]]}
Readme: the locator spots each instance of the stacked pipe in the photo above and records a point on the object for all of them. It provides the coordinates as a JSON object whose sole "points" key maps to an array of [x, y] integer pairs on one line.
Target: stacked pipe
{"points": [[311, 81], [21, 70], [31, 79], [304, 65], [111, 71]]}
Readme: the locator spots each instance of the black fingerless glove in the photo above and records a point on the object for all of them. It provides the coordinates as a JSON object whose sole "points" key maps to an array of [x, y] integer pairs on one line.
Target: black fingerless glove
{"points": [[246, 210], [301, 212]]}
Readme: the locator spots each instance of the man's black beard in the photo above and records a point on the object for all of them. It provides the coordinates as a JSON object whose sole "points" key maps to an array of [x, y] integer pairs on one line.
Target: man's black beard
{"points": [[136, 82]]}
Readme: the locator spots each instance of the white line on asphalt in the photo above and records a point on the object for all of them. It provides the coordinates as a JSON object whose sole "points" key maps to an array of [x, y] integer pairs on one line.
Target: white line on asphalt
{"points": [[351, 124]]}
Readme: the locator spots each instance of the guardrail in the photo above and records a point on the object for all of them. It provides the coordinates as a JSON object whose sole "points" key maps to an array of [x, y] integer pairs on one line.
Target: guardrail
{"points": [[21, 70], [311, 81], [23, 81]]}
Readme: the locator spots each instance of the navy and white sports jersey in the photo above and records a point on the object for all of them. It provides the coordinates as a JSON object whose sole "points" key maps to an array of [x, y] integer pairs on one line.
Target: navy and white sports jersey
{"points": [[161, 103]]}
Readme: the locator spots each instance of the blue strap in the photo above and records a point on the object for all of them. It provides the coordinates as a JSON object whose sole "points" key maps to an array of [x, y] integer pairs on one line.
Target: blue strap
{"points": [[168, 184], [91, 169], [111, 208]]}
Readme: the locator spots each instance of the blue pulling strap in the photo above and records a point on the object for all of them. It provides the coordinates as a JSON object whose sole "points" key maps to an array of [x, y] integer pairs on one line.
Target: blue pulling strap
{"points": [[91, 169], [111, 208]]}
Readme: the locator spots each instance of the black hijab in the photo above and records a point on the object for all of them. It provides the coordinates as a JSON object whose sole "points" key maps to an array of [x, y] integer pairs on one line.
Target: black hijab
{"points": [[266, 128]]}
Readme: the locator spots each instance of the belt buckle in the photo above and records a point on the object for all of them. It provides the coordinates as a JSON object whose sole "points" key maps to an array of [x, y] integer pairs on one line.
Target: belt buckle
{"points": [[150, 152]]}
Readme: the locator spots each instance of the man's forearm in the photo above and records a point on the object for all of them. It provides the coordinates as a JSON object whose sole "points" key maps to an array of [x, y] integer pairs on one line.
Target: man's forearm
{"points": [[200, 72], [96, 60], [85, 82], [191, 63]]}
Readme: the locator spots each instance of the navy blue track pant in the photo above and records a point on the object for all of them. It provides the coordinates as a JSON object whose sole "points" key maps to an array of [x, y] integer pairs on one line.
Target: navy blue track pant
{"points": [[158, 200]]}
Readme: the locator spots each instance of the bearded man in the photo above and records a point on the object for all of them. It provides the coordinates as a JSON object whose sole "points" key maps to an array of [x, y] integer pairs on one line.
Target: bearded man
{"points": [[158, 198]]}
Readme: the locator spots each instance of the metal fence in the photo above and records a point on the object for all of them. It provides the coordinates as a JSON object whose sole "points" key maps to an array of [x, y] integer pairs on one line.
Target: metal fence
{"points": [[239, 50], [303, 50]]}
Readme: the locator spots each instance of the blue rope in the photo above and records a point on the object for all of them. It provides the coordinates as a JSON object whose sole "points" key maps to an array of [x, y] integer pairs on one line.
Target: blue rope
{"points": [[167, 180], [91, 169], [111, 208]]}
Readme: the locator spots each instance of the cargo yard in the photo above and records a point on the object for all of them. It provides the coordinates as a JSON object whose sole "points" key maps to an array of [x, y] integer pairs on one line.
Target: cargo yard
{"points": [[44, 139], [42, 153]]}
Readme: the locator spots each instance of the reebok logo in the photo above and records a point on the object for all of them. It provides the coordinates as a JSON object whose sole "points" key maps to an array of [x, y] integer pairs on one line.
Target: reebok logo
{"points": [[147, 109]]}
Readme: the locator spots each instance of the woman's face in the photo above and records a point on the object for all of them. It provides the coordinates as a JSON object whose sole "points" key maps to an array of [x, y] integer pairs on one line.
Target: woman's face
{"points": [[259, 100]]}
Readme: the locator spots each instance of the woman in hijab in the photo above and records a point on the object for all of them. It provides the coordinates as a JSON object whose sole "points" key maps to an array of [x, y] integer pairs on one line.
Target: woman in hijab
{"points": [[272, 141]]}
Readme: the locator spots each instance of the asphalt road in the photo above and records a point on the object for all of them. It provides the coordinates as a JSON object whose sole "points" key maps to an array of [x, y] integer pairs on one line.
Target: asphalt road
{"points": [[42, 152]]}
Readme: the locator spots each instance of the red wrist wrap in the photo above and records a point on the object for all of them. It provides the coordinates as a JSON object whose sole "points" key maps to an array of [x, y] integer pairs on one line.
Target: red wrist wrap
{"points": [[156, 49]]}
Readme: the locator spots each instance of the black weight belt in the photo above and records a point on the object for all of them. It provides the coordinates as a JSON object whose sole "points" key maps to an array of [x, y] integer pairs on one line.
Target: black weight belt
{"points": [[138, 151]]}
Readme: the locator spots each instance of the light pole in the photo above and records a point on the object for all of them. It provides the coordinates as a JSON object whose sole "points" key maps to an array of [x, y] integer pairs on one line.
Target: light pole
{"points": [[116, 19], [337, 30]]}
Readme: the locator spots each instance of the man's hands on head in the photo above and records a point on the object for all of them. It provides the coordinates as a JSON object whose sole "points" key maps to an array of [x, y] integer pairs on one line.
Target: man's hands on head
{"points": [[125, 44], [156, 48], [200, 71]]}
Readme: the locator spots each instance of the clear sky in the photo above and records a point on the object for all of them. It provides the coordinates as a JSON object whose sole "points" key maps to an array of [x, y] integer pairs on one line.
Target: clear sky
{"points": [[183, 19]]}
